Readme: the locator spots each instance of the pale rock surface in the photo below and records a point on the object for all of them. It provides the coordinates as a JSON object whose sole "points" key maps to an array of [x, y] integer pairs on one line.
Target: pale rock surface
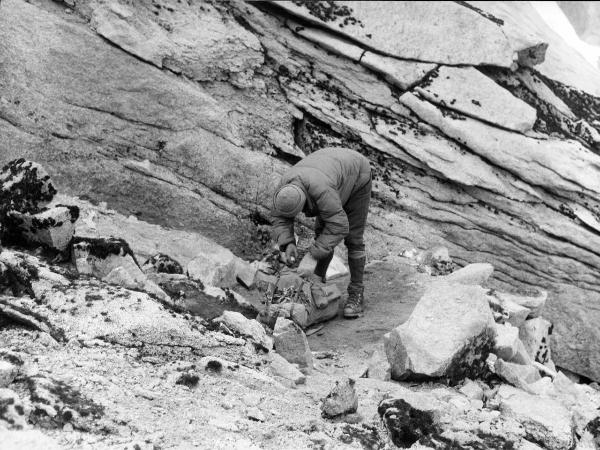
{"points": [[517, 374], [378, 366], [190, 43], [535, 304], [472, 389], [507, 341], [290, 342], [282, 368], [544, 420], [535, 335], [342, 399], [396, 29], [247, 328], [471, 274], [470, 92], [512, 312], [27, 439], [450, 332], [245, 273], [327, 40], [216, 269], [403, 74]]}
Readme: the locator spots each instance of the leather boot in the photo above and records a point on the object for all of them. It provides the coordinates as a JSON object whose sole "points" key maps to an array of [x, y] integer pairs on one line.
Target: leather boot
{"points": [[354, 305]]}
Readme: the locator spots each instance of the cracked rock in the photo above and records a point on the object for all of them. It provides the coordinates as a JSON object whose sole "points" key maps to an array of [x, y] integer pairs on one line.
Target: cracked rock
{"points": [[342, 399]]}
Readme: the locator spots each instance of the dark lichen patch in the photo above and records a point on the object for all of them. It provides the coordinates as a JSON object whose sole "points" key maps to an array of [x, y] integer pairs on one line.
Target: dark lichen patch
{"points": [[65, 400], [593, 427], [328, 11], [161, 263], [102, 248], [24, 187], [366, 435], [214, 366], [405, 424], [188, 379], [471, 361]]}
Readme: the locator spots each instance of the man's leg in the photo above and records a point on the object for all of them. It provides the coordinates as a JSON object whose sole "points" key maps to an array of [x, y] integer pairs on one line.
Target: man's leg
{"points": [[357, 210], [322, 264]]}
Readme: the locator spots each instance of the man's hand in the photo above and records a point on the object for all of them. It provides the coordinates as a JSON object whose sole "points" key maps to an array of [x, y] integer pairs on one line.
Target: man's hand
{"points": [[291, 254]]}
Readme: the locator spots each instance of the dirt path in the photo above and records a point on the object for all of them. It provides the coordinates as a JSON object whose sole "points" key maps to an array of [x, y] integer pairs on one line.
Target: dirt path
{"points": [[391, 292]]}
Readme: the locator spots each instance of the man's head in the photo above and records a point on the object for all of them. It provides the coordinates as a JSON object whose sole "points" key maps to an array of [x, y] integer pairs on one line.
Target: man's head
{"points": [[288, 201]]}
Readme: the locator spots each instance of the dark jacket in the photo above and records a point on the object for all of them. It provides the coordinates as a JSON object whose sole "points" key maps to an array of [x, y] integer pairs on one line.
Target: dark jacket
{"points": [[329, 177]]}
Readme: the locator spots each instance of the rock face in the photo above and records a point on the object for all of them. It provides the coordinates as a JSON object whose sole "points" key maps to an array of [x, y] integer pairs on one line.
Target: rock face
{"points": [[449, 335], [198, 122]]}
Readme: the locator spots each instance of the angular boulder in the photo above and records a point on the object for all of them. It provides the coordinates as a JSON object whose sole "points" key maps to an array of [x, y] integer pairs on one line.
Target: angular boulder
{"points": [[99, 256], [250, 329], [511, 312], [471, 274], [342, 399], [25, 187], [8, 372], [517, 374], [290, 342], [280, 367], [535, 335], [449, 335], [215, 268], [52, 228], [544, 420], [507, 341]]}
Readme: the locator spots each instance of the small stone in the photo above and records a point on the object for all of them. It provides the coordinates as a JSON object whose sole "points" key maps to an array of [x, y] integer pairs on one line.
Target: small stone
{"points": [[250, 329], [245, 274], [535, 335], [290, 342], [223, 424], [251, 399], [227, 405], [472, 390], [255, 414], [506, 342], [342, 399], [282, 368], [516, 374], [67, 427], [378, 365]]}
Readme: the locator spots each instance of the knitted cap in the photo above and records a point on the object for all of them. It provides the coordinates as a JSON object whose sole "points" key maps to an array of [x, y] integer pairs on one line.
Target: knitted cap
{"points": [[288, 201]]}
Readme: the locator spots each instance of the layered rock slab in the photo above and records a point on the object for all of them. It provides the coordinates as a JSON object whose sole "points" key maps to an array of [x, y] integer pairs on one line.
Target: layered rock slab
{"points": [[448, 335], [466, 90], [396, 29]]}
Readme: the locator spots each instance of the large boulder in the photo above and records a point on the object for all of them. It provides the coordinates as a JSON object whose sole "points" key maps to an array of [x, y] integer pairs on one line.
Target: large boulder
{"points": [[544, 420], [53, 228], [448, 335], [25, 187]]}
